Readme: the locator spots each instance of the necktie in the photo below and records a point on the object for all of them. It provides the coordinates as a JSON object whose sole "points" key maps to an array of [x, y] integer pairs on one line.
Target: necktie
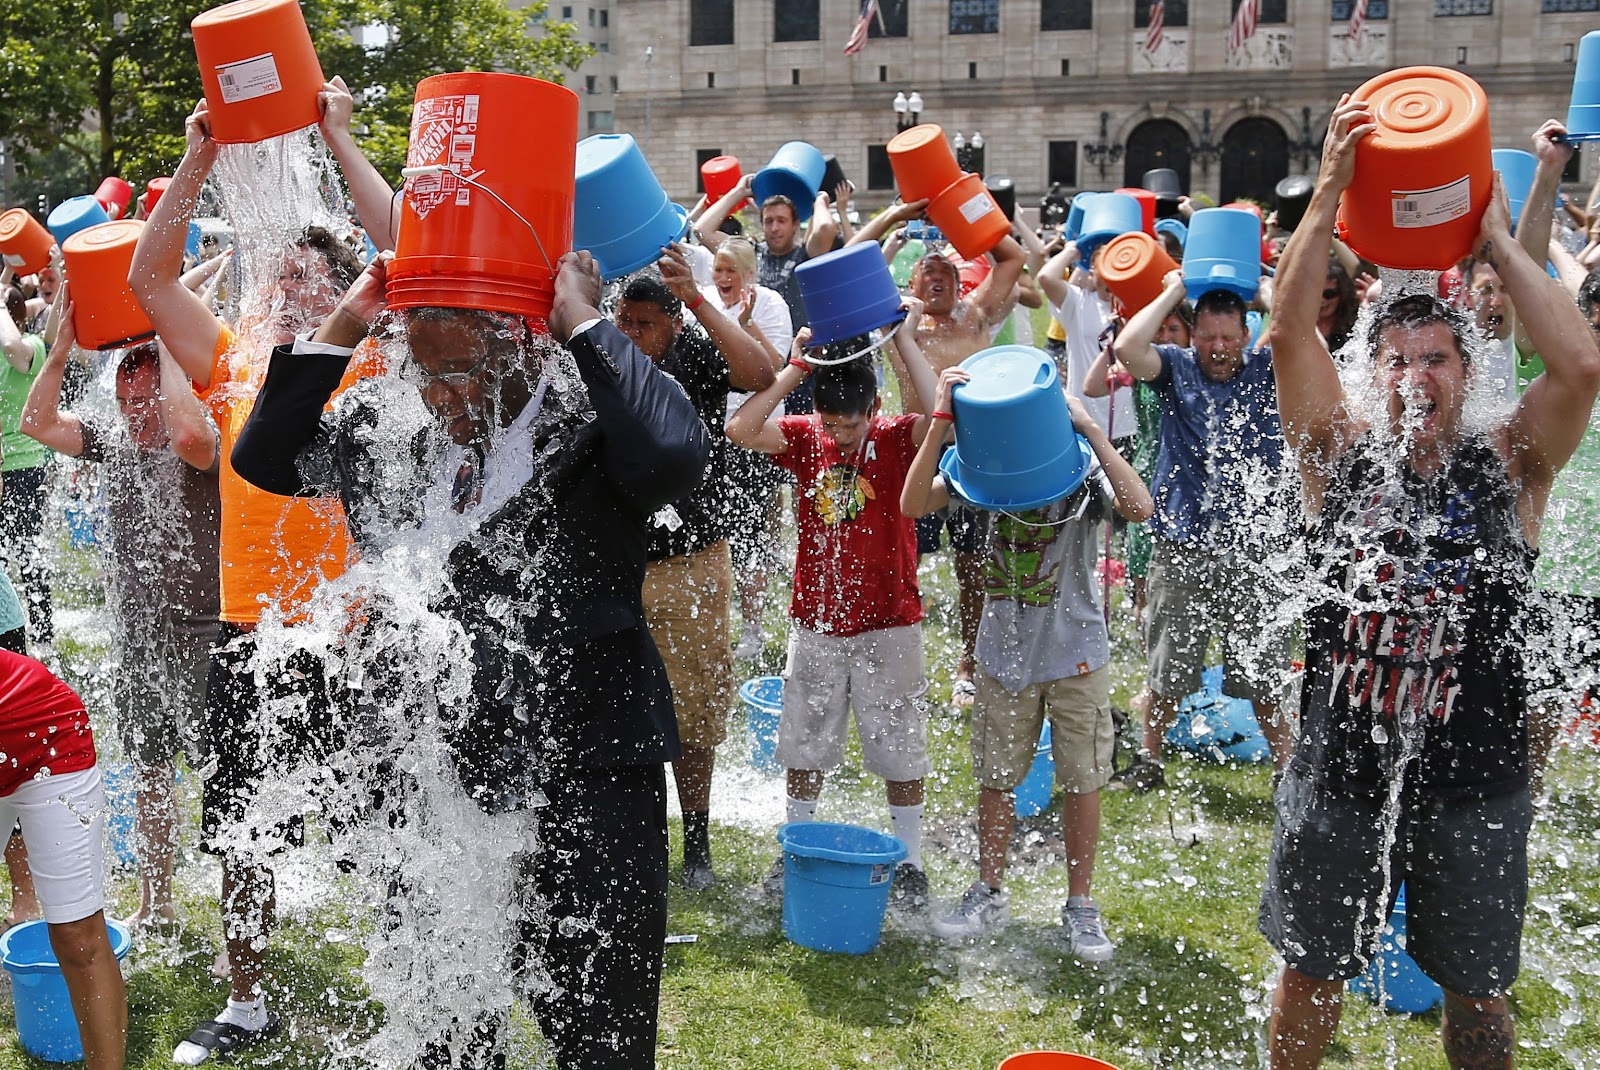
{"points": [[467, 490]]}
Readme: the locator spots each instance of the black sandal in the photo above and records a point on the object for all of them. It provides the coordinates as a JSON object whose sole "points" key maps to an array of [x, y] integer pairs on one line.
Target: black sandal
{"points": [[225, 1038]]}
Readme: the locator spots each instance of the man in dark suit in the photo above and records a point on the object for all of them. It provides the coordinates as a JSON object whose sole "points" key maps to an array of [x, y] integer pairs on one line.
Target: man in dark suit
{"points": [[539, 469]]}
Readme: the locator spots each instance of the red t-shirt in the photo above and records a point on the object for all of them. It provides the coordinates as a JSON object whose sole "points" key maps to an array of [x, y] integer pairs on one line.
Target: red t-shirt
{"points": [[856, 568], [43, 724]]}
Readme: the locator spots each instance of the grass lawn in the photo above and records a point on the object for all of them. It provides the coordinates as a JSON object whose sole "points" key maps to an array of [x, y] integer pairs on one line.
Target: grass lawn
{"points": [[1178, 878]]}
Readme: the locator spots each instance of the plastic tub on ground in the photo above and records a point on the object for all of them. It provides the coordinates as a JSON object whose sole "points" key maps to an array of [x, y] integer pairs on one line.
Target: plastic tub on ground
{"points": [[836, 882], [1032, 796], [46, 1025], [763, 707]]}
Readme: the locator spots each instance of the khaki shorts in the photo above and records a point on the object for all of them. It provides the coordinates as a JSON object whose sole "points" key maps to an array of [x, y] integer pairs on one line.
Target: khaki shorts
{"points": [[687, 600], [1194, 594], [1006, 727], [879, 674]]}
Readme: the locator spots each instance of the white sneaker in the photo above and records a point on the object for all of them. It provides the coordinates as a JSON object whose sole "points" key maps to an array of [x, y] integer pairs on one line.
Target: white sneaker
{"points": [[981, 909], [750, 644], [1089, 940]]}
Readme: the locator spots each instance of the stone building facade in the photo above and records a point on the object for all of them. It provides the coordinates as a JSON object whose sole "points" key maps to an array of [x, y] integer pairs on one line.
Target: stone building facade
{"points": [[1074, 92]]}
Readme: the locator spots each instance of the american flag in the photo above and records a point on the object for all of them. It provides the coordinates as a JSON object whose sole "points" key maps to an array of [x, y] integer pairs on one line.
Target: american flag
{"points": [[1244, 24], [1358, 19], [858, 36], [1158, 18]]}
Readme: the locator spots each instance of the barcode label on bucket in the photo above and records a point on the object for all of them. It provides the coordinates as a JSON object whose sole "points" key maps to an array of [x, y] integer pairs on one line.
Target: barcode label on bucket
{"points": [[247, 79], [976, 207], [1418, 208], [880, 873]]}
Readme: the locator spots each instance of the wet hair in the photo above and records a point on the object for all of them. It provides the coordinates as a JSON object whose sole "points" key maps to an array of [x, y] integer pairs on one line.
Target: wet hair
{"points": [[649, 288], [1589, 292], [136, 359], [743, 255], [939, 258], [1222, 303], [343, 264], [17, 305], [847, 389], [780, 199], [1419, 310]]}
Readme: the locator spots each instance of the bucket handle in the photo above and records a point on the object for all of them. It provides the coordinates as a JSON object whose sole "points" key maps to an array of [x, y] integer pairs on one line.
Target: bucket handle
{"points": [[820, 363], [440, 168]]}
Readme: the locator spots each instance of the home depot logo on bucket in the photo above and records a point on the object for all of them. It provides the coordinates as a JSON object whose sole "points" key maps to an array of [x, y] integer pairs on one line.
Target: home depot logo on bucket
{"points": [[444, 130]]}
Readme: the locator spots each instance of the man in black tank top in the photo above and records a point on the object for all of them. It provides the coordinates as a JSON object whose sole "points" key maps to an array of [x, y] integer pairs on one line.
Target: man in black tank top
{"points": [[1413, 759]]}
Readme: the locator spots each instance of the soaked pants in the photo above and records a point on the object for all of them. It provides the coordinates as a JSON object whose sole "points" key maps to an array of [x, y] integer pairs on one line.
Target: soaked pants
{"points": [[21, 522]]}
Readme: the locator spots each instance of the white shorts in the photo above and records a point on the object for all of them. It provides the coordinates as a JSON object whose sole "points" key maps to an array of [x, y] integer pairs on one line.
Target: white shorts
{"points": [[63, 823], [880, 675]]}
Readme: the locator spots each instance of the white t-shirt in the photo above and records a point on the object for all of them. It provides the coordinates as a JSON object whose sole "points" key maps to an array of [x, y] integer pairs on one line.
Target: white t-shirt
{"points": [[1083, 317], [771, 314]]}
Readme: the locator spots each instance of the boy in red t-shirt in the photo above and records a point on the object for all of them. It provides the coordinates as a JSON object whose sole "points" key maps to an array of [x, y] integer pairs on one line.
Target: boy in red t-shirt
{"points": [[49, 782], [855, 642]]}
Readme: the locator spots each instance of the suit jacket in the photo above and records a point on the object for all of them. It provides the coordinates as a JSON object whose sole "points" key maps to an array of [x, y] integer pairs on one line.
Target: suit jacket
{"points": [[565, 674]]}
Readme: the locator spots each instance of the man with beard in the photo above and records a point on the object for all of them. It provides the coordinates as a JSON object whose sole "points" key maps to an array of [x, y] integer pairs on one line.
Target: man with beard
{"points": [[545, 490]]}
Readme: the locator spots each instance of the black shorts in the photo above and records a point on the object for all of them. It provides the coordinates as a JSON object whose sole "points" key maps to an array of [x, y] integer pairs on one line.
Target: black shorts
{"points": [[968, 529], [1464, 863], [247, 735]]}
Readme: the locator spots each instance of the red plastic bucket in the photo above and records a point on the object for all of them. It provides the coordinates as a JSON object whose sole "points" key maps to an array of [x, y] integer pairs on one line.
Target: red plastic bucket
{"points": [[259, 70], [152, 193], [923, 162], [719, 175], [489, 184], [104, 312], [1423, 178], [24, 243], [969, 217], [1132, 267], [114, 195], [1053, 1060], [1147, 205]]}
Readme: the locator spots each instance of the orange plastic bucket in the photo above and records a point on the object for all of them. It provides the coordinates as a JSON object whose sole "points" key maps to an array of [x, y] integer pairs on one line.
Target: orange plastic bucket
{"points": [[104, 312], [258, 67], [924, 165], [1054, 1060], [488, 194], [114, 194], [969, 217], [1147, 205], [24, 243], [719, 175], [1132, 267], [1423, 177]]}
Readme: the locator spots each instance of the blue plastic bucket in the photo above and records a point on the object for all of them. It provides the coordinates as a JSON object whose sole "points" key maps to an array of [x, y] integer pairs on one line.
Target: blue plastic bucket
{"points": [[1174, 226], [1033, 794], [1583, 114], [1016, 447], [795, 171], [1516, 174], [1211, 725], [121, 790], [46, 1025], [620, 213], [836, 881], [75, 214], [1223, 253], [80, 525], [848, 292], [1406, 988], [1105, 217], [763, 706], [1074, 224], [192, 240]]}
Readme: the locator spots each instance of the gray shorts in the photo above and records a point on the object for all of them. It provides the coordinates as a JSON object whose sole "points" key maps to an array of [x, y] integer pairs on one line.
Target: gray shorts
{"points": [[1464, 863], [879, 675], [161, 688], [1194, 594]]}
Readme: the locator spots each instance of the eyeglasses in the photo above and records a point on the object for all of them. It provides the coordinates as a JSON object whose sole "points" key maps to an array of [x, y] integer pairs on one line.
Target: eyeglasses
{"points": [[413, 373], [1329, 295]]}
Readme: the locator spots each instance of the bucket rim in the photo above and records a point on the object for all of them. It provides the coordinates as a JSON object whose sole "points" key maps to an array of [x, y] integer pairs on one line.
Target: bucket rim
{"points": [[668, 209], [952, 468], [894, 851], [827, 335], [121, 943], [748, 688]]}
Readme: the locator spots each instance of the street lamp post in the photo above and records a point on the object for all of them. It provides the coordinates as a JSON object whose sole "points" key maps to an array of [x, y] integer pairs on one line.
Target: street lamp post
{"points": [[907, 110], [969, 153]]}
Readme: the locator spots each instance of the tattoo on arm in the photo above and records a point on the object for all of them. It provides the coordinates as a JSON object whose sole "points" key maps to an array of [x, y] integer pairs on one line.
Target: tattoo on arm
{"points": [[1476, 1039]]}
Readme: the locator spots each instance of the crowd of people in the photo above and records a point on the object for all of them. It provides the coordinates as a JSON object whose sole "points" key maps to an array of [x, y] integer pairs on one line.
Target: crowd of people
{"points": [[1364, 479]]}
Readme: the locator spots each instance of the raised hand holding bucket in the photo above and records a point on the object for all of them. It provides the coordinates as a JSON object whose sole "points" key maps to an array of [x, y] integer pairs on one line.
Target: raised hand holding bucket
{"points": [[105, 314], [719, 175], [1133, 267], [1223, 252], [848, 292]]}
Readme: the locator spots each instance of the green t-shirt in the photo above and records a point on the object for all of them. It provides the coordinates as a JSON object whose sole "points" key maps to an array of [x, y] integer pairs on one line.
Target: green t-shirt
{"points": [[19, 450], [1568, 561]]}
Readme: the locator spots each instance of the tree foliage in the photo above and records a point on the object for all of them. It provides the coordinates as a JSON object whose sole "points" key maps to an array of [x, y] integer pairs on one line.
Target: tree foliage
{"points": [[107, 85]]}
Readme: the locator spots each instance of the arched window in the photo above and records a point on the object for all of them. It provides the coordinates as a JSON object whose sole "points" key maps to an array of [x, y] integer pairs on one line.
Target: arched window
{"points": [[1255, 158], [1157, 143]]}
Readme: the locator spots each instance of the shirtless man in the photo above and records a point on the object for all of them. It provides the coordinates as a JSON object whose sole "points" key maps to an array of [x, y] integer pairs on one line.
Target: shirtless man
{"points": [[951, 329]]}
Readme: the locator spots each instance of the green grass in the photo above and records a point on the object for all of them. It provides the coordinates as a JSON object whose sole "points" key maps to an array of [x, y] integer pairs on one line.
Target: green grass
{"points": [[1178, 878]]}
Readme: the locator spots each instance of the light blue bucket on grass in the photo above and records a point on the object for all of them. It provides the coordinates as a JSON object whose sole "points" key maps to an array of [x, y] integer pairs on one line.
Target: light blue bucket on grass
{"points": [[795, 171], [1223, 252], [836, 881], [763, 706], [1406, 988], [1033, 794], [75, 214], [1215, 726], [620, 213], [46, 1026], [121, 789]]}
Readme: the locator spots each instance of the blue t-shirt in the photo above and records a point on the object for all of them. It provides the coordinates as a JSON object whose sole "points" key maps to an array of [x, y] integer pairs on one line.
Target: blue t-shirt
{"points": [[1221, 450]]}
